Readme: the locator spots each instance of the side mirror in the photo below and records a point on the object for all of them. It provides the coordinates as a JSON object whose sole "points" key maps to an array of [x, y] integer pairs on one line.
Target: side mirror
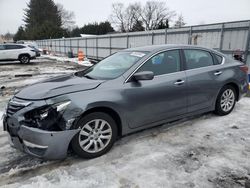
{"points": [[144, 75]]}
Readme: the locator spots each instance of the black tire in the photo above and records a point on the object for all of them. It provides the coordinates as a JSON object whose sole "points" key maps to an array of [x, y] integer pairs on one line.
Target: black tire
{"points": [[24, 59], [219, 110], [75, 143]]}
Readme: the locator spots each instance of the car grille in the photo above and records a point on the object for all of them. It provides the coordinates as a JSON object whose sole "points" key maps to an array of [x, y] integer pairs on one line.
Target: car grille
{"points": [[15, 105]]}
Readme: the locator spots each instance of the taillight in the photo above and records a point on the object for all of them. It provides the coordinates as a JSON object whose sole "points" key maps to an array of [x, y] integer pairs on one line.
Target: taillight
{"points": [[244, 68]]}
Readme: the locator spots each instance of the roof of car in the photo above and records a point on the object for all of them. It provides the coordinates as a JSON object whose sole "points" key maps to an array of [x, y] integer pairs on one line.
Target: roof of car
{"points": [[152, 48], [156, 48], [11, 44]]}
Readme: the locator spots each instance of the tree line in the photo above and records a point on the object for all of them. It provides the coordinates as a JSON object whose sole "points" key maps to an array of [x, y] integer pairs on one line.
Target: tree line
{"points": [[44, 19]]}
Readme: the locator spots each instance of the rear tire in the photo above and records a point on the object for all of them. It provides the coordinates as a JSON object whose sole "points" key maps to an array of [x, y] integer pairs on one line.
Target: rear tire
{"points": [[225, 101], [96, 137], [24, 59]]}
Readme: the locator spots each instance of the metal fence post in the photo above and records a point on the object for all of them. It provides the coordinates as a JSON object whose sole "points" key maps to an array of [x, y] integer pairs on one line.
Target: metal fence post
{"points": [[166, 36], [70, 45], [152, 35], [96, 46], [78, 45], [86, 43], [59, 46], [247, 45], [190, 35], [64, 46], [110, 45], [127, 41], [221, 37]]}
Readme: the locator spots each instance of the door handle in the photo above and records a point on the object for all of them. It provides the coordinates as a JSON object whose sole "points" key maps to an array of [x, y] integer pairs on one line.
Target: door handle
{"points": [[179, 82], [217, 73]]}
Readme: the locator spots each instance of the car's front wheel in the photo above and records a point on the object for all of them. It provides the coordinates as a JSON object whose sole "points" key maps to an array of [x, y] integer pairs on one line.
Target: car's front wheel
{"points": [[24, 59], [98, 132], [225, 101]]}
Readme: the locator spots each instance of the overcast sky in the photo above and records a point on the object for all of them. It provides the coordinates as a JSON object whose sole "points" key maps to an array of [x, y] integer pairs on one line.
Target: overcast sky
{"points": [[194, 11]]}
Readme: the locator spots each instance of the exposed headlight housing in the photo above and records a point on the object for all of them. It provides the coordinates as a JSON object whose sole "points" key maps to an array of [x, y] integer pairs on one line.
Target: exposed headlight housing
{"points": [[59, 107], [46, 117]]}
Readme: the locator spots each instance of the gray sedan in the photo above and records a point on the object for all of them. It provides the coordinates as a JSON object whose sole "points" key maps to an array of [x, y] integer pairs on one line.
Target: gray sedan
{"points": [[131, 90]]}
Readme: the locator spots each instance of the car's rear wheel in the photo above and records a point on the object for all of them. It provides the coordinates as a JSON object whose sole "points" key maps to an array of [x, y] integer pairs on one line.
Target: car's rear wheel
{"points": [[24, 59], [98, 132], [225, 101]]}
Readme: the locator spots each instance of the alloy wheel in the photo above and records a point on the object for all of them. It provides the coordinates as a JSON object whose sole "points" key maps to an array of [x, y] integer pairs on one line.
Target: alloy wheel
{"points": [[227, 100], [95, 135], [24, 59]]}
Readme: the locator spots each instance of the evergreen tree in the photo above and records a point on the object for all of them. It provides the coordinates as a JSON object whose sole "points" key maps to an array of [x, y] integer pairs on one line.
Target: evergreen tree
{"points": [[138, 26], [42, 20], [76, 32], [163, 25], [104, 28], [20, 35]]}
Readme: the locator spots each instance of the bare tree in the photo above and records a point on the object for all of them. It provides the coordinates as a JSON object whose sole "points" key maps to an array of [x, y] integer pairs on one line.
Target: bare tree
{"points": [[67, 17], [179, 22], [125, 18], [155, 13], [152, 15], [132, 15], [118, 16]]}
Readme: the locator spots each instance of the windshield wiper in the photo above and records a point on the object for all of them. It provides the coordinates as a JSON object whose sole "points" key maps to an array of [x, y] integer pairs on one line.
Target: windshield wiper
{"points": [[89, 77]]}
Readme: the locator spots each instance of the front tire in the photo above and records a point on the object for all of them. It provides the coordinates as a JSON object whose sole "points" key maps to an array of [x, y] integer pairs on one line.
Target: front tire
{"points": [[225, 101], [98, 132], [24, 59]]}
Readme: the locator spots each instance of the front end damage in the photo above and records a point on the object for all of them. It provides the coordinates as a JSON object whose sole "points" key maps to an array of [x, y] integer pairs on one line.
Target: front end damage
{"points": [[41, 128]]}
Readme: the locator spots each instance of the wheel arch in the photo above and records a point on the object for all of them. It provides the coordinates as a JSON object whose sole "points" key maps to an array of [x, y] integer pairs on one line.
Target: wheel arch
{"points": [[114, 114], [236, 87], [231, 83], [22, 54]]}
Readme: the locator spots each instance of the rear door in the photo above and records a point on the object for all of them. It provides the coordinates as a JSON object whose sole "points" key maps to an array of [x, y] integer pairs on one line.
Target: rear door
{"points": [[203, 79], [150, 101], [13, 50], [2, 52]]}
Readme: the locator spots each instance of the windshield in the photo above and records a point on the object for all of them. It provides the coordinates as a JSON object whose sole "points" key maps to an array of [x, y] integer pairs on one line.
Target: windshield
{"points": [[113, 66]]}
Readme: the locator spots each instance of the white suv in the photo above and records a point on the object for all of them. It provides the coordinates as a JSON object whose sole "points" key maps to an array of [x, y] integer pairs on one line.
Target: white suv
{"points": [[19, 52]]}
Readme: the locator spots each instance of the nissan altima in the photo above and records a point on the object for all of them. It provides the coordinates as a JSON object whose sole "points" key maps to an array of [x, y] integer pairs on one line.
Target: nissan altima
{"points": [[131, 90]]}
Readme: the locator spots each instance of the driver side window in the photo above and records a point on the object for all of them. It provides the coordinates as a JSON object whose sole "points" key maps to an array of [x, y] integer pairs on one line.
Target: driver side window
{"points": [[163, 63]]}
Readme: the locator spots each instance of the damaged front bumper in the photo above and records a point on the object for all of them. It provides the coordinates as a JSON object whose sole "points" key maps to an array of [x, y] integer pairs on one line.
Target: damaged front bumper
{"points": [[36, 141], [52, 145]]}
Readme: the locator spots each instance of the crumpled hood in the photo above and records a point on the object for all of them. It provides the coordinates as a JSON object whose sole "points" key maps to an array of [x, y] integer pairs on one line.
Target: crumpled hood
{"points": [[57, 86]]}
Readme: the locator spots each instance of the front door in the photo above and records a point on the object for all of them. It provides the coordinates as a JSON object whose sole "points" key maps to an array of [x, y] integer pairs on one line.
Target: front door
{"points": [[150, 101]]}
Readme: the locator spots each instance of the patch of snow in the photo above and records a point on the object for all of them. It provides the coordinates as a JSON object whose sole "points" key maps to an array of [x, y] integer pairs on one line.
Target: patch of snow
{"points": [[203, 151], [86, 62], [1, 119]]}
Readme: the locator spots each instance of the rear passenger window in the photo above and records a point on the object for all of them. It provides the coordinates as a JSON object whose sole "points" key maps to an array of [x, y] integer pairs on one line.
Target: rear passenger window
{"points": [[163, 63], [217, 59], [2, 47], [12, 47], [197, 59]]}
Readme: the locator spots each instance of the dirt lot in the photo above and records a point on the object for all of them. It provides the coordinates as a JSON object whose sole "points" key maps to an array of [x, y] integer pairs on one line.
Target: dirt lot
{"points": [[202, 151]]}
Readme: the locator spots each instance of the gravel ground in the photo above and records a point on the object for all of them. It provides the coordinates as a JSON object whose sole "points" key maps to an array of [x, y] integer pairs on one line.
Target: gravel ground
{"points": [[202, 151]]}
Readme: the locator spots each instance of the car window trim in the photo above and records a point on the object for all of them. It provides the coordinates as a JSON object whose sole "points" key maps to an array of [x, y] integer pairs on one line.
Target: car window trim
{"points": [[211, 54], [161, 51], [214, 57], [223, 61], [17, 46]]}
